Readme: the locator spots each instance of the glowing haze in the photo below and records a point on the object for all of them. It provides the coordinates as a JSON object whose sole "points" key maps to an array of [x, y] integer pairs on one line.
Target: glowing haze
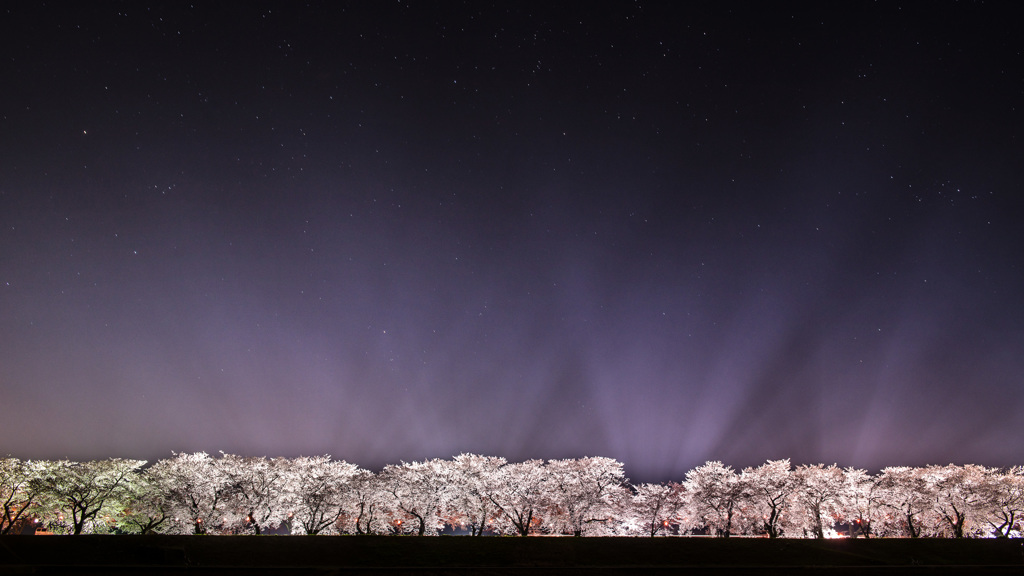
{"points": [[393, 232]]}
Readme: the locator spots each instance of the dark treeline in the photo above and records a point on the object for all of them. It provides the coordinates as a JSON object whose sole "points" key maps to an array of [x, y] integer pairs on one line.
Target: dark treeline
{"points": [[477, 495]]}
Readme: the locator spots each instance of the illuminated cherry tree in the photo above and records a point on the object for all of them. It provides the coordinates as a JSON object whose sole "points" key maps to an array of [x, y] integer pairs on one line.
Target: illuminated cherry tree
{"points": [[86, 496], [654, 508], [862, 501], [195, 490], [770, 488], [367, 508], [1004, 496], [819, 495], [521, 497], [475, 480], [317, 492], [418, 490], [715, 494], [959, 497], [17, 490], [908, 497], [148, 509], [584, 493], [256, 495]]}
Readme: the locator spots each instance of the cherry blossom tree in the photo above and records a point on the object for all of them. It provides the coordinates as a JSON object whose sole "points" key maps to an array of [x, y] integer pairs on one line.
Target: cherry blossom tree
{"points": [[959, 496], [86, 496], [862, 501], [770, 488], [316, 492], [1004, 501], [819, 496], [475, 479], [195, 489], [653, 508], [715, 493], [18, 492], [148, 510], [366, 508], [521, 497], [583, 492], [419, 490], [908, 498], [255, 494]]}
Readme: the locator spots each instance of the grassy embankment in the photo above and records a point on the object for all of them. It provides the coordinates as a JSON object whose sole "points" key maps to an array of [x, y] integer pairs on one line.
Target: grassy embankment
{"points": [[464, 555]]}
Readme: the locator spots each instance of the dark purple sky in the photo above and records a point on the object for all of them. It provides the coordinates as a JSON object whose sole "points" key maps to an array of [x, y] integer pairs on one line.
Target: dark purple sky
{"points": [[391, 231]]}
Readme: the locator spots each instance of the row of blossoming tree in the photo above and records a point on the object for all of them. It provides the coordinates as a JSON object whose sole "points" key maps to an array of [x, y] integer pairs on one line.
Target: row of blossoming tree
{"points": [[200, 494]]}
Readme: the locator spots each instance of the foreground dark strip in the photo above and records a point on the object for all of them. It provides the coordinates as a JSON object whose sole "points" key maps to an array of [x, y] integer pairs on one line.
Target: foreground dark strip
{"points": [[257, 556], [520, 571]]}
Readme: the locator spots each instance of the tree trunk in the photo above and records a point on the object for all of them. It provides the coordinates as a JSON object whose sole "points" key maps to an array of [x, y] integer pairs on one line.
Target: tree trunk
{"points": [[770, 524], [524, 527], [819, 530], [78, 518], [914, 532], [958, 527]]}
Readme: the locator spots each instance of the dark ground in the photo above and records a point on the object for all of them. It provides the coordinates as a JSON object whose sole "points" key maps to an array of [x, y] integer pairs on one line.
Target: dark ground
{"points": [[259, 555]]}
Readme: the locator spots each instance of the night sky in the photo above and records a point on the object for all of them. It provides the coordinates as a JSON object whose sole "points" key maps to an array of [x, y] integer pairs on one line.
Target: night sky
{"points": [[402, 230]]}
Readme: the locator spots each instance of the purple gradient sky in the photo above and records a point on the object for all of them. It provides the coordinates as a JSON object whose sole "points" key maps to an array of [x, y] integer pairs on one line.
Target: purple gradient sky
{"points": [[391, 232]]}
